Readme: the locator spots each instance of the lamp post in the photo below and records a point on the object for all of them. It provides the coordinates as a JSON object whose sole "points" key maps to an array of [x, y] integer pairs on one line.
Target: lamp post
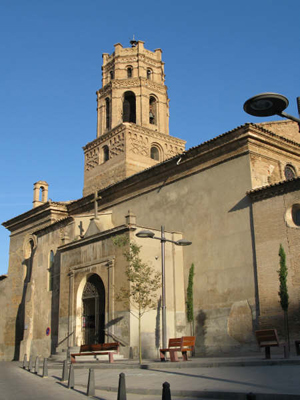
{"points": [[151, 235], [268, 104]]}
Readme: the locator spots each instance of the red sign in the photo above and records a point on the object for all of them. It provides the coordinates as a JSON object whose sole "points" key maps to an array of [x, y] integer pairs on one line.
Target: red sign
{"points": [[48, 330]]}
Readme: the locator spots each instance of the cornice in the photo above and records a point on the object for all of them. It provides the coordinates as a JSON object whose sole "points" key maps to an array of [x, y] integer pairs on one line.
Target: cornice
{"points": [[95, 238], [274, 135], [156, 135], [126, 126], [132, 52], [276, 189], [115, 131], [35, 215], [132, 82]]}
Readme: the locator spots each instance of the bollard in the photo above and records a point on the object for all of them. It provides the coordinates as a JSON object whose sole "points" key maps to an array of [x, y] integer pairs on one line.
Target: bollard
{"points": [[166, 392], [91, 383], [25, 361], [122, 387], [251, 396], [45, 368], [37, 365], [30, 367], [71, 377], [64, 377]]}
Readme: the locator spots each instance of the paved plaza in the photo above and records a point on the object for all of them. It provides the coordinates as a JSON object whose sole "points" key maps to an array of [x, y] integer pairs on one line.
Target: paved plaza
{"points": [[205, 378]]}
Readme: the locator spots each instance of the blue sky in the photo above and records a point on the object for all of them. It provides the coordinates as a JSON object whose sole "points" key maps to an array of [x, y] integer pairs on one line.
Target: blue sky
{"points": [[217, 54]]}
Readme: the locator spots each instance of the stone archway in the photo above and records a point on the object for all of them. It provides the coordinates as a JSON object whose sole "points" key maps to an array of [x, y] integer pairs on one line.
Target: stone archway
{"points": [[93, 311]]}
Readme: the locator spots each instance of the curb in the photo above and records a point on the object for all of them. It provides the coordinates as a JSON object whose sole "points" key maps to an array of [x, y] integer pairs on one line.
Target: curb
{"points": [[178, 365], [203, 394]]}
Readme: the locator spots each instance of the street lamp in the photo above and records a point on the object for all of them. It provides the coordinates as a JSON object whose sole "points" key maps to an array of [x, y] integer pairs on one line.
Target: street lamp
{"points": [[151, 235], [267, 104]]}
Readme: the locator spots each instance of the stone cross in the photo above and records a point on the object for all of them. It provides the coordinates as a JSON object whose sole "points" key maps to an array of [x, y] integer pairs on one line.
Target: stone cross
{"points": [[96, 198], [81, 230]]}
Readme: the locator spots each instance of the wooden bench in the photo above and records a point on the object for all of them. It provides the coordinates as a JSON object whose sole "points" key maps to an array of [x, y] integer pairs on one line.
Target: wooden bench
{"points": [[97, 349], [268, 338], [182, 345]]}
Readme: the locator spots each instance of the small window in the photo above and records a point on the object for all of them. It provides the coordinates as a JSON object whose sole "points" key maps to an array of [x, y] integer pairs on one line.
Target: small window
{"points": [[154, 154], [149, 73], [112, 75], [129, 72], [105, 153], [289, 172], [51, 271]]}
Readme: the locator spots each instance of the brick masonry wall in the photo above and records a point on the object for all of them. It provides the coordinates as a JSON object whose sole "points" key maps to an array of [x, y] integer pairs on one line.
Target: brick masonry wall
{"points": [[273, 226]]}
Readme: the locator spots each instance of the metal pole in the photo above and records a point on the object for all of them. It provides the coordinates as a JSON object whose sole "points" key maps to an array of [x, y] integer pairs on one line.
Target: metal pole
{"points": [[298, 106], [288, 116], [163, 276], [69, 311]]}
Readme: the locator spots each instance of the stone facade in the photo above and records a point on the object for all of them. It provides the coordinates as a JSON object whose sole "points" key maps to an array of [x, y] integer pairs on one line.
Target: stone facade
{"points": [[230, 196]]}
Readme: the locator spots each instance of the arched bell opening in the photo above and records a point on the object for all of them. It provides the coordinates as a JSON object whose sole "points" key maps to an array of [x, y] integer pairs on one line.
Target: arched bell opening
{"points": [[152, 110], [93, 311], [129, 107]]}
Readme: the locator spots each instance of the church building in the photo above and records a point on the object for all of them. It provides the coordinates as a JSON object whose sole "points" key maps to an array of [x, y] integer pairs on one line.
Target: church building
{"points": [[236, 197]]}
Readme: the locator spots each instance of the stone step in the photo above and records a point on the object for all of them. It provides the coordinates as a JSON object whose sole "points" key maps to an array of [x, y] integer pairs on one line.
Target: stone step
{"points": [[61, 356], [98, 357]]}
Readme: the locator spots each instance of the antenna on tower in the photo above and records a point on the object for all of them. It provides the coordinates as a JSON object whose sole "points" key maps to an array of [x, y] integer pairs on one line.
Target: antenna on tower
{"points": [[133, 42]]}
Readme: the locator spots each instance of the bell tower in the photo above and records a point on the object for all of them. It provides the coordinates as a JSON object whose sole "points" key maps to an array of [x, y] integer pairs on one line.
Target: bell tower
{"points": [[132, 118]]}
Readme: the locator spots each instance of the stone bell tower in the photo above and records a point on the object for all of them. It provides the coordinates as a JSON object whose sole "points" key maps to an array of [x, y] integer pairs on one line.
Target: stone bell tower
{"points": [[132, 118]]}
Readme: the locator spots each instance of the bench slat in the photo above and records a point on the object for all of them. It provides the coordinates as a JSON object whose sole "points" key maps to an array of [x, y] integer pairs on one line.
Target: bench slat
{"points": [[268, 338], [97, 349], [183, 345]]}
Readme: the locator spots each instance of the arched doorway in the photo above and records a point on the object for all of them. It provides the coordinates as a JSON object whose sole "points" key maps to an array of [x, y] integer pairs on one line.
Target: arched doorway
{"points": [[93, 311]]}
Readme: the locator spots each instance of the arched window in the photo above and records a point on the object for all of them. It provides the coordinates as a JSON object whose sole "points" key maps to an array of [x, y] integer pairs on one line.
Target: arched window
{"points": [[296, 214], [149, 73], [51, 271], [289, 172], [40, 193], [107, 112], [129, 113], [105, 153], [129, 72], [154, 153], [152, 110]]}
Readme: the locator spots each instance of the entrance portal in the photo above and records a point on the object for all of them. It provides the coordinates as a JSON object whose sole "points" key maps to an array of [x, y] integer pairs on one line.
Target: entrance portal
{"points": [[93, 318]]}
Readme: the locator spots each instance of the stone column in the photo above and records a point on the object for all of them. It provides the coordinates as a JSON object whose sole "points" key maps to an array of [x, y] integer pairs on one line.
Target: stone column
{"points": [[110, 292], [71, 327]]}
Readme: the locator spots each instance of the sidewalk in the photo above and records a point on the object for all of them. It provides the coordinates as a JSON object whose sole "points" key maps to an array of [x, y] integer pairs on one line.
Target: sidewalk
{"points": [[205, 378]]}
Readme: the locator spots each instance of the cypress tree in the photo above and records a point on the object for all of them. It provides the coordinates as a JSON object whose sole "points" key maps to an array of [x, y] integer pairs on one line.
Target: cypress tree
{"points": [[283, 290], [190, 298]]}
